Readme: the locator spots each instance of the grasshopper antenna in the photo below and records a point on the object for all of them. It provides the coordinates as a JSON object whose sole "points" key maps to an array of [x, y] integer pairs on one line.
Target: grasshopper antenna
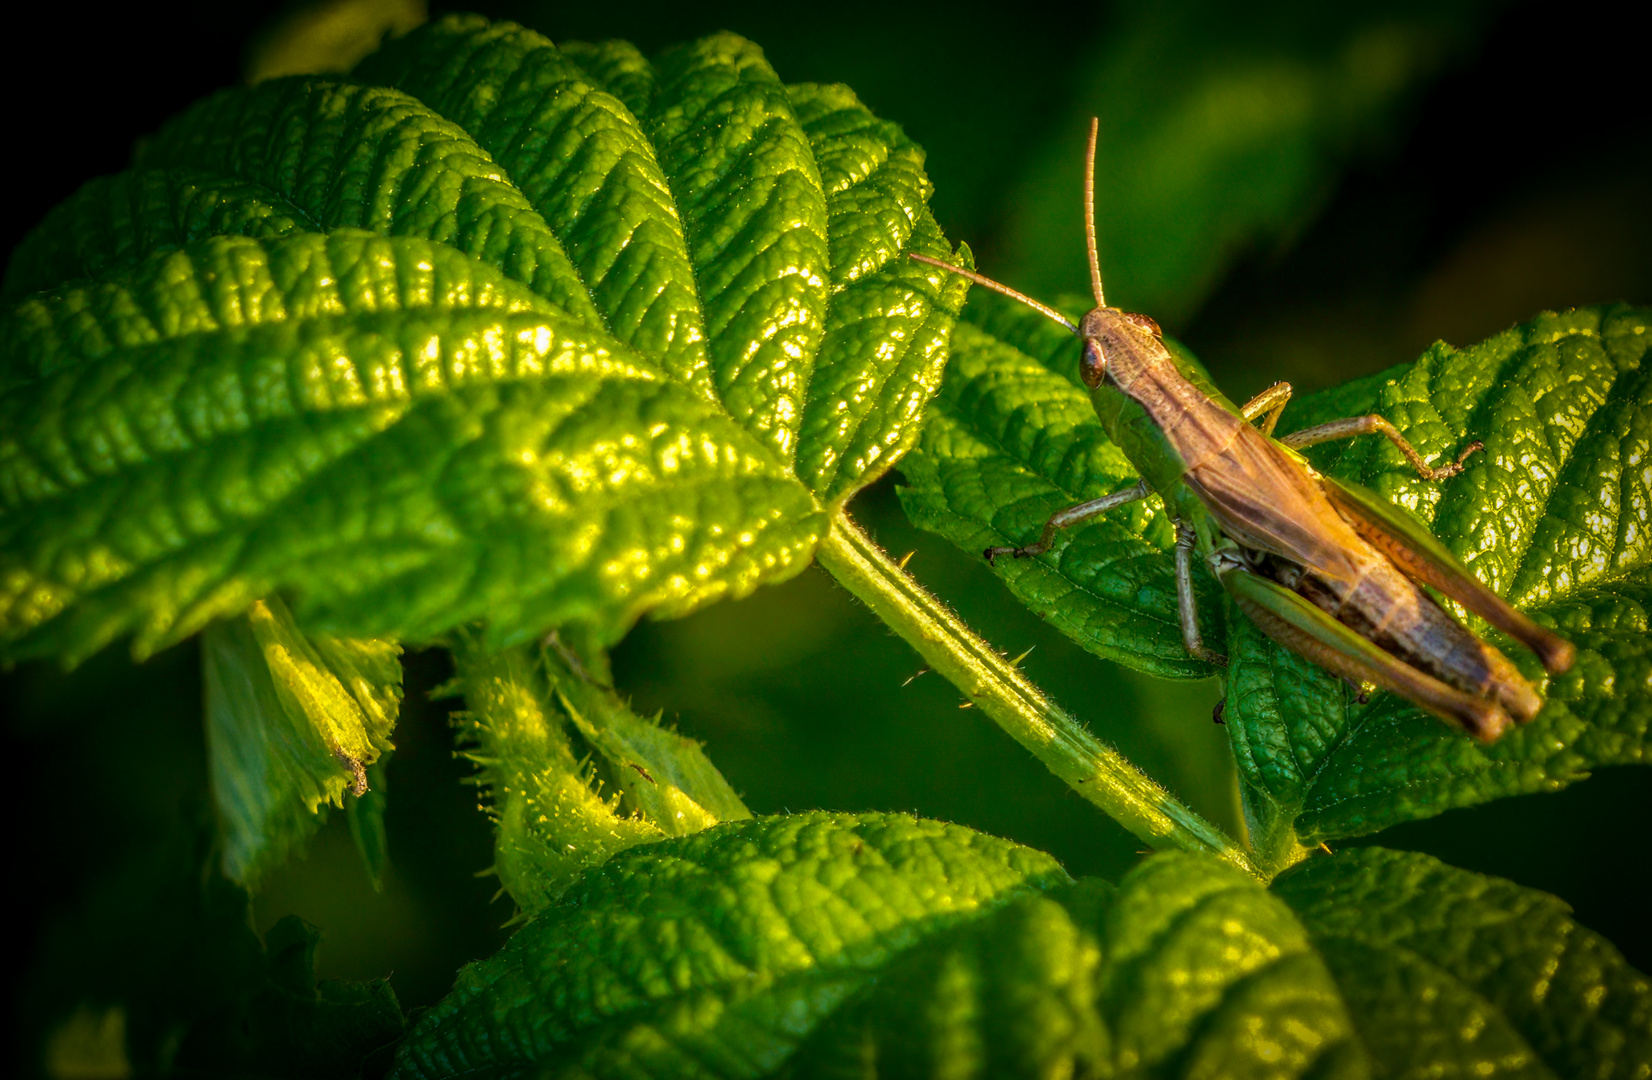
{"points": [[1042, 309], [1090, 213]]}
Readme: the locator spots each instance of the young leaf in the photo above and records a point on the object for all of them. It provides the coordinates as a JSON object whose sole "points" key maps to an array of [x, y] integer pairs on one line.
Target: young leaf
{"points": [[1550, 515], [1446, 972], [548, 741], [662, 776], [294, 722], [473, 337]]}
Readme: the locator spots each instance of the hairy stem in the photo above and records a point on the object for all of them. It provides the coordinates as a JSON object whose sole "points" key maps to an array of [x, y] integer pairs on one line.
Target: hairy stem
{"points": [[1094, 770]]}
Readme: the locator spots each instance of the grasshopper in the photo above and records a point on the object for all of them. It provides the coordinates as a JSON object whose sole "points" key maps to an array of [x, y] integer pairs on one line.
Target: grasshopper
{"points": [[1328, 569]]}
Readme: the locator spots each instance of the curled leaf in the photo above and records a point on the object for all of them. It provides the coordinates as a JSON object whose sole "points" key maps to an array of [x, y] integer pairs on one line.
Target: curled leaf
{"points": [[294, 722]]}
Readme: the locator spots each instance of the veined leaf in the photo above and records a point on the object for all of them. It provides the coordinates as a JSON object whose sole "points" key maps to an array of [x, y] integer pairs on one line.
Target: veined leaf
{"points": [[1552, 515], [495, 332], [880, 946], [715, 954], [1446, 972]]}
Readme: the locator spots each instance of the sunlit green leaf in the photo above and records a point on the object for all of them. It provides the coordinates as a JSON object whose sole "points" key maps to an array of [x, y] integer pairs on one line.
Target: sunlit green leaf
{"points": [[466, 338], [1451, 973], [877, 946], [715, 954]]}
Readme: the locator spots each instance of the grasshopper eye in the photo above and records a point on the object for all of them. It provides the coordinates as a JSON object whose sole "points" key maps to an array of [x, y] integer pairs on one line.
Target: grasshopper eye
{"points": [[1094, 364]]}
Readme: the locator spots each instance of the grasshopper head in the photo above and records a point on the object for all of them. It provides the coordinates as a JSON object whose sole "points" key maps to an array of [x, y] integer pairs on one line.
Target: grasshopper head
{"points": [[1107, 331]]}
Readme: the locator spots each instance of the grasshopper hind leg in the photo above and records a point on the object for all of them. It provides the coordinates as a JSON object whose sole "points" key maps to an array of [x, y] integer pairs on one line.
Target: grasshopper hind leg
{"points": [[1270, 403], [1376, 425]]}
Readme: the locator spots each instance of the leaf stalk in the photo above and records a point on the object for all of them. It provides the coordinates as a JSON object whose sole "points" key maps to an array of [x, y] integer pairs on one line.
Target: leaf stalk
{"points": [[991, 682]]}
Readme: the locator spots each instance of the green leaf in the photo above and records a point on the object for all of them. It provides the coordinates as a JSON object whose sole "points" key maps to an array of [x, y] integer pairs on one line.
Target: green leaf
{"points": [[1449, 973], [548, 741], [1551, 516], [876, 945], [1222, 128], [718, 952], [293, 723], [484, 335], [1010, 440], [1188, 966]]}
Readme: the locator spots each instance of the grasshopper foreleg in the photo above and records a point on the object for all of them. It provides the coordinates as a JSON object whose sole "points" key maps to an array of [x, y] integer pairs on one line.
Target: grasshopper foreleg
{"points": [[1376, 425], [1073, 515], [1186, 606]]}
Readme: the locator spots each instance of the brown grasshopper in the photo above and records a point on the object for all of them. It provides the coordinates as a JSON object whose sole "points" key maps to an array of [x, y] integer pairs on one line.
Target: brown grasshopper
{"points": [[1326, 568]]}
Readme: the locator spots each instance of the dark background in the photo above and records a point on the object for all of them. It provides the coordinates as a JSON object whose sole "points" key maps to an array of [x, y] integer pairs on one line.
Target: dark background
{"points": [[1513, 181]]}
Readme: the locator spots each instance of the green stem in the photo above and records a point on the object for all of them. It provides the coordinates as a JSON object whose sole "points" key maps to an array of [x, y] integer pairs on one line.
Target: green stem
{"points": [[998, 688]]}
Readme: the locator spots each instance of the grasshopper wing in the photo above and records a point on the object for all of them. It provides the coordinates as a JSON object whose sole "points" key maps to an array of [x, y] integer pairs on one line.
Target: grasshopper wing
{"points": [[1413, 549], [1305, 629]]}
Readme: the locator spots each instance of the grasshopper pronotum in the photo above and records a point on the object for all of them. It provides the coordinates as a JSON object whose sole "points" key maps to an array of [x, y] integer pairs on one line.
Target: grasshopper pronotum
{"points": [[1325, 568]]}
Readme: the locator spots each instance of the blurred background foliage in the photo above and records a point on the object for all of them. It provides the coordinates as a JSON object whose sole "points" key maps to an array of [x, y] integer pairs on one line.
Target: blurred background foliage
{"points": [[1299, 191]]}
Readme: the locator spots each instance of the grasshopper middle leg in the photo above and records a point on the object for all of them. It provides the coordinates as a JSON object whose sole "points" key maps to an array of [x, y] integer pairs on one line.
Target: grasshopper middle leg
{"points": [[1187, 608], [1073, 515]]}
